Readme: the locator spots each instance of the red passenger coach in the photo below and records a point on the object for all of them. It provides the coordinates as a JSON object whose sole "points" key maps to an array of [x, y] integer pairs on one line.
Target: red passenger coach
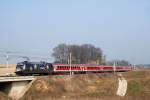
{"points": [[83, 68]]}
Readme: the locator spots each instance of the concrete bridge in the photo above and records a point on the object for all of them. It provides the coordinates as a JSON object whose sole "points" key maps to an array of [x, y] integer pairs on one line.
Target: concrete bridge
{"points": [[16, 87]]}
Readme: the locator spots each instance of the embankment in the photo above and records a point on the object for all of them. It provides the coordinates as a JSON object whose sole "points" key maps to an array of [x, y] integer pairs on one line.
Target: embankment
{"points": [[87, 87]]}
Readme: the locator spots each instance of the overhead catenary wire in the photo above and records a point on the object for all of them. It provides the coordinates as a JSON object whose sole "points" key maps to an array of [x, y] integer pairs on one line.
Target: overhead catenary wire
{"points": [[9, 55]]}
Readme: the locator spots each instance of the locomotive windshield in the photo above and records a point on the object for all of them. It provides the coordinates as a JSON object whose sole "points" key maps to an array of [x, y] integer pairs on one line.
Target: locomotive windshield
{"points": [[20, 64]]}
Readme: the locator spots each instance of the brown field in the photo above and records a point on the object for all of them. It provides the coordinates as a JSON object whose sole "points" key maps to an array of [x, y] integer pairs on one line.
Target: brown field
{"points": [[7, 71]]}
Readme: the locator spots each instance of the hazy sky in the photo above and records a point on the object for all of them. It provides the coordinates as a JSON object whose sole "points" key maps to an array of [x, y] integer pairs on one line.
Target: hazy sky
{"points": [[120, 27]]}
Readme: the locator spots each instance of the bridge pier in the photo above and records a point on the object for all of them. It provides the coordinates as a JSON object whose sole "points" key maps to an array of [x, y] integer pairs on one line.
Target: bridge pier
{"points": [[15, 87], [18, 89]]}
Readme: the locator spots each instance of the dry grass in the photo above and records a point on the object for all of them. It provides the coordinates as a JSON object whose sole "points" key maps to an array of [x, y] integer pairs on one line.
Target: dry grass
{"points": [[87, 87], [4, 96], [75, 87], [139, 84]]}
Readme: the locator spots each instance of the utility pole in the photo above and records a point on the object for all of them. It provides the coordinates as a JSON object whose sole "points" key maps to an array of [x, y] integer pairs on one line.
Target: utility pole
{"points": [[104, 60], [70, 55], [114, 67]]}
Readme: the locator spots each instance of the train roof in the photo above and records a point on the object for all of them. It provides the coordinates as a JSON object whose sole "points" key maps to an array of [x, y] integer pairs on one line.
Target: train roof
{"points": [[91, 65], [29, 62]]}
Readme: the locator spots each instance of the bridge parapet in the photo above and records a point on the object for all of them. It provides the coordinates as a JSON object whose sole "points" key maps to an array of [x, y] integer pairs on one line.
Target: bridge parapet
{"points": [[17, 78]]}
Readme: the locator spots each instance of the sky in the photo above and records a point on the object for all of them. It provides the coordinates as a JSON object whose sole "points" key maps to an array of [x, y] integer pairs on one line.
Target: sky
{"points": [[121, 28]]}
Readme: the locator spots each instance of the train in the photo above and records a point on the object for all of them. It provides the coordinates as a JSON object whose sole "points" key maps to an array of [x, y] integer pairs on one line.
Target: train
{"points": [[44, 68]]}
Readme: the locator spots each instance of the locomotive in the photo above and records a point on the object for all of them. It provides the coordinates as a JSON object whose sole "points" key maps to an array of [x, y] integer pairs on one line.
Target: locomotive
{"points": [[44, 68], [31, 68]]}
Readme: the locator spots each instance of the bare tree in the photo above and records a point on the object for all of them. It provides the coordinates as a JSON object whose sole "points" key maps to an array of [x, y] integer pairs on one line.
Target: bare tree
{"points": [[85, 53], [61, 53]]}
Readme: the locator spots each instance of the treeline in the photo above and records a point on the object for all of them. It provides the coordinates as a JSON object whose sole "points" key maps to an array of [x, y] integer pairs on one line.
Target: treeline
{"points": [[80, 54], [117, 63], [83, 54]]}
